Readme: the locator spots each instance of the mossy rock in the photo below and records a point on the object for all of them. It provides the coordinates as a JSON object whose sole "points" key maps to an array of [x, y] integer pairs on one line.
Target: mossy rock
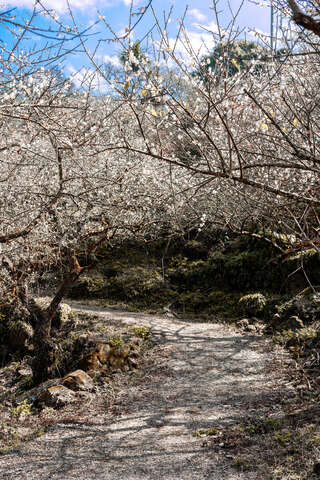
{"points": [[223, 304], [306, 306], [19, 333], [252, 304], [62, 314], [89, 287], [137, 284]]}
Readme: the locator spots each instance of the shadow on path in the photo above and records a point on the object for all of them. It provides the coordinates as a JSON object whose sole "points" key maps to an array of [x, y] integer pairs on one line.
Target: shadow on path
{"points": [[213, 377]]}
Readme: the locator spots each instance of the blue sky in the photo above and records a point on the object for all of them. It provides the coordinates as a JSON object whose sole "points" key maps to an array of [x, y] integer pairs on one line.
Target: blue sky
{"points": [[199, 21]]}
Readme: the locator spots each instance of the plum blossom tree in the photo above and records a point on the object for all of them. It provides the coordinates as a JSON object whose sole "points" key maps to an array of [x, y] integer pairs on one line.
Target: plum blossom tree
{"points": [[63, 190], [78, 169], [249, 142]]}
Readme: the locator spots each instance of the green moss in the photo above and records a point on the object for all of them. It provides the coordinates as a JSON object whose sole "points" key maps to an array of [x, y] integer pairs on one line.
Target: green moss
{"points": [[241, 463], [115, 341], [252, 304], [199, 274], [88, 287], [23, 408], [141, 331], [283, 437], [206, 432]]}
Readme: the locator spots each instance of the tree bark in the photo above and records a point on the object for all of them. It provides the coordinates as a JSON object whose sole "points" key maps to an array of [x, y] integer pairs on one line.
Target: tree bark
{"points": [[304, 20]]}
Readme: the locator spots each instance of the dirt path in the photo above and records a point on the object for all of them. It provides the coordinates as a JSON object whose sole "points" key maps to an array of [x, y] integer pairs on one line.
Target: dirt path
{"points": [[213, 377]]}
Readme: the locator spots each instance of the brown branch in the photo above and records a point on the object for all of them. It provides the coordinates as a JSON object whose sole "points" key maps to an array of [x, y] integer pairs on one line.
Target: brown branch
{"points": [[23, 233], [14, 235], [303, 20], [244, 181]]}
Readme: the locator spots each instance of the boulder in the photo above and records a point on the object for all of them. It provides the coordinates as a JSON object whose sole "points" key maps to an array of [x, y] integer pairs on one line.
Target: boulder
{"points": [[243, 323], [298, 312], [34, 394], [78, 380], [19, 333], [57, 396], [62, 315], [103, 352], [106, 356], [252, 304]]}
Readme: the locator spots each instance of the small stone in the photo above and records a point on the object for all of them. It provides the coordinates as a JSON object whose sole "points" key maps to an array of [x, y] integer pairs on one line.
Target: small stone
{"points": [[24, 371], [132, 363], [251, 328], [243, 323]]}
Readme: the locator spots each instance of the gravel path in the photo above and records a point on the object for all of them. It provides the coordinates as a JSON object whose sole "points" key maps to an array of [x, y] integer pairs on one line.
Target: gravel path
{"points": [[213, 376]]}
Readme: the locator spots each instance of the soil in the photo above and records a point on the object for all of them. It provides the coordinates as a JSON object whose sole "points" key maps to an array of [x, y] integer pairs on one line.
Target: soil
{"points": [[206, 381]]}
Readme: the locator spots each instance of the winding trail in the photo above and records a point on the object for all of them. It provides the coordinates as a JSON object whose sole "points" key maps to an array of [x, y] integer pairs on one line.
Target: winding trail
{"points": [[212, 376]]}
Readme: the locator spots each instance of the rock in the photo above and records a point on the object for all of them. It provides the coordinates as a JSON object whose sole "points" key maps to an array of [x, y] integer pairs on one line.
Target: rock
{"points": [[118, 357], [103, 351], [251, 328], [19, 333], [91, 364], [62, 315], [106, 356], [252, 304], [34, 394], [243, 323], [25, 371], [57, 396], [78, 380]]}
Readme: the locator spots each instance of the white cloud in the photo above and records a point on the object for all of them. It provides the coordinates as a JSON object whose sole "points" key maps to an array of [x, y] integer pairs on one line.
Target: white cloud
{"points": [[202, 40], [87, 78], [194, 12], [201, 43], [113, 59]]}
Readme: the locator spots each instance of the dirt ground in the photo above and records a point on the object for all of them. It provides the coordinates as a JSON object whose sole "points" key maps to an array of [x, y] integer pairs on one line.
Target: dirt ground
{"points": [[204, 409]]}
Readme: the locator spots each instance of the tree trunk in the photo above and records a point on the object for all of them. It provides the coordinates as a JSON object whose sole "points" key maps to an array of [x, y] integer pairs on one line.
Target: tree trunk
{"points": [[45, 353], [45, 350]]}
